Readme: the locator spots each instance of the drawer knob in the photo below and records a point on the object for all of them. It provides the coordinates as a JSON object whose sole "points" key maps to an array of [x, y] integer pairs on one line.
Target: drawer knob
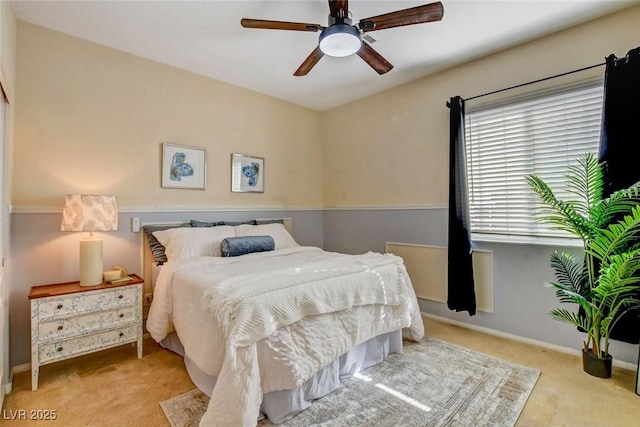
{"points": [[121, 334], [60, 348], [119, 296], [59, 306], [121, 315], [60, 327]]}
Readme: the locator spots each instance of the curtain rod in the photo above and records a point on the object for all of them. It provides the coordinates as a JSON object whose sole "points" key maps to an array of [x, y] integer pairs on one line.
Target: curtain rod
{"points": [[538, 81], [534, 81]]}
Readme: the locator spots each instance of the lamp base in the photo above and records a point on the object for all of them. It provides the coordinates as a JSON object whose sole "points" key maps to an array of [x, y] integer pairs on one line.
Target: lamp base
{"points": [[90, 284], [91, 262]]}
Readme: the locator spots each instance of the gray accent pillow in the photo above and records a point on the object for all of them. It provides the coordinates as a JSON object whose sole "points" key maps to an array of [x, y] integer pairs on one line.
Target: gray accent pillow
{"points": [[157, 249], [234, 223], [269, 221], [196, 223], [236, 246]]}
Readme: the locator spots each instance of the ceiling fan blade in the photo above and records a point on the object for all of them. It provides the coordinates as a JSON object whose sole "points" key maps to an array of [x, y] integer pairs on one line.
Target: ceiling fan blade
{"points": [[339, 9], [279, 25], [374, 59], [414, 15], [309, 63]]}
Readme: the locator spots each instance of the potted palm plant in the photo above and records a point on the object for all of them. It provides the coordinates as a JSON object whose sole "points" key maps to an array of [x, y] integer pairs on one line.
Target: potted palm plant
{"points": [[606, 283]]}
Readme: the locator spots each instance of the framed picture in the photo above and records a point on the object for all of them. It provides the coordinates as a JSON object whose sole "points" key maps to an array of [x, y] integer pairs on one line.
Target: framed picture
{"points": [[247, 173], [183, 167]]}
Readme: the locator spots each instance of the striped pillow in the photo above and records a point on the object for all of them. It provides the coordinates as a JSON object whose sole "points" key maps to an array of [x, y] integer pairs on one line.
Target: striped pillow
{"points": [[157, 249]]}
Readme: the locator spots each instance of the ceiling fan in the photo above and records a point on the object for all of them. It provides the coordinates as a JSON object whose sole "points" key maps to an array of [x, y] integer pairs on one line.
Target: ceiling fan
{"points": [[341, 38]]}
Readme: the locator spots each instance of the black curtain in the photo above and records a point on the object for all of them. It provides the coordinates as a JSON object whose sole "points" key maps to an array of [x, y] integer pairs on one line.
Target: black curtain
{"points": [[619, 147], [461, 293]]}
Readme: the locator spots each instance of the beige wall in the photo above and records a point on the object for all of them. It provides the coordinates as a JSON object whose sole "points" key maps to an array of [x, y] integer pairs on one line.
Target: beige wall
{"points": [[7, 48], [90, 119], [392, 147]]}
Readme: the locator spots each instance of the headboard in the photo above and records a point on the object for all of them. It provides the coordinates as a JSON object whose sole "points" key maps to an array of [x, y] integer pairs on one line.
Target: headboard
{"points": [[147, 256]]}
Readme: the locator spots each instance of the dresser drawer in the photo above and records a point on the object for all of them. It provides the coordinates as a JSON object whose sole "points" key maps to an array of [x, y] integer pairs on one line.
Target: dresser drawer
{"points": [[88, 302], [77, 346], [58, 329]]}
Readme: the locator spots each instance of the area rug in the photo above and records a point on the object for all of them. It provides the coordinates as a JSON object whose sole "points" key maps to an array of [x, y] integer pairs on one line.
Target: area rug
{"points": [[432, 383]]}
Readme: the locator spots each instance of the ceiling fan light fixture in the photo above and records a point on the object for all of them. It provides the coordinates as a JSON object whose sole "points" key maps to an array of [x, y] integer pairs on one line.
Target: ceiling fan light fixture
{"points": [[340, 40]]}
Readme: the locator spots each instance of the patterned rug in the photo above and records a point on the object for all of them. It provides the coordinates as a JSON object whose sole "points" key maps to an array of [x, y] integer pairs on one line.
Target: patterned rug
{"points": [[432, 383]]}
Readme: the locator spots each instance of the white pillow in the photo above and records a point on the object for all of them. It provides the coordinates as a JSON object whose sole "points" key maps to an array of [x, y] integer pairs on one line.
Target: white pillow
{"points": [[276, 230], [190, 242]]}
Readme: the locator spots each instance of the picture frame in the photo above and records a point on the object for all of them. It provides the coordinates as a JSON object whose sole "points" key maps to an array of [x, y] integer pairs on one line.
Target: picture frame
{"points": [[247, 173], [183, 167]]}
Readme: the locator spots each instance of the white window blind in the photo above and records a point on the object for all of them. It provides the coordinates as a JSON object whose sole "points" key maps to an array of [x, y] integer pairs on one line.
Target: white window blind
{"points": [[540, 134]]}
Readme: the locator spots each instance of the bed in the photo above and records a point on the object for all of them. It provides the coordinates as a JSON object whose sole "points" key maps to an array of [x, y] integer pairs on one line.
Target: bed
{"points": [[268, 331]]}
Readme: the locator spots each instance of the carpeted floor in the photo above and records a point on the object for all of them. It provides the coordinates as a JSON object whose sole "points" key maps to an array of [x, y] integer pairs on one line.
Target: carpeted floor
{"points": [[432, 383]]}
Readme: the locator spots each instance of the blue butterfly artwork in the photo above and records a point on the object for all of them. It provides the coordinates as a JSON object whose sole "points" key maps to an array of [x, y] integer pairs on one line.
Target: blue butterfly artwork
{"points": [[252, 172], [179, 167]]}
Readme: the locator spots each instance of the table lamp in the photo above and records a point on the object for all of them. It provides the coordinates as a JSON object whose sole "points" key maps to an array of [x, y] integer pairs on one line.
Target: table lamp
{"points": [[86, 212]]}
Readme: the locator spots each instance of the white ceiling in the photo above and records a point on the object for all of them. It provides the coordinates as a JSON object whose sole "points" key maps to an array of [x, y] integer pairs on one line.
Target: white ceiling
{"points": [[205, 37]]}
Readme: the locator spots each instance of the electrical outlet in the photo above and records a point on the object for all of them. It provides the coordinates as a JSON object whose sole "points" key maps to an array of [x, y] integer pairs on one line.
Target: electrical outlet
{"points": [[135, 224], [147, 299]]}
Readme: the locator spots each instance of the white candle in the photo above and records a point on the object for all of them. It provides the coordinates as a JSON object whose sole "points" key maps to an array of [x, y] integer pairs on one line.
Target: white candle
{"points": [[112, 275], [90, 262]]}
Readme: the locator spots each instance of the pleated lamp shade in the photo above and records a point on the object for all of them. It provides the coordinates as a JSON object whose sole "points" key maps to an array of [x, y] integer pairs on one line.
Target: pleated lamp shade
{"points": [[86, 212]]}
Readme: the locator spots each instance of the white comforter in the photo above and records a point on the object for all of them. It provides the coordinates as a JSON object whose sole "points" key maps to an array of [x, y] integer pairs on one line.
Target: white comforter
{"points": [[259, 322]]}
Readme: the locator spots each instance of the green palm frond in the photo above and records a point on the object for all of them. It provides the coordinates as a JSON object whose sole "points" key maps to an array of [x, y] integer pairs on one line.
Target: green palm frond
{"points": [[616, 238], [586, 182], [618, 203], [565, 295], [570, 317], [558, 214], [618, 281], [570, 274], [632, 192]]}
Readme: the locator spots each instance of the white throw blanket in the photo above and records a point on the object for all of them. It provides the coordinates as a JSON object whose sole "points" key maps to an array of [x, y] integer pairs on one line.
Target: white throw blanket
{"points": [[252, 307]]}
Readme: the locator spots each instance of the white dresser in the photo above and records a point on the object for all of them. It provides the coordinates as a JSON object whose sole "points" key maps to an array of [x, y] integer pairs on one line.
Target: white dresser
{"points": [[68, 320]]}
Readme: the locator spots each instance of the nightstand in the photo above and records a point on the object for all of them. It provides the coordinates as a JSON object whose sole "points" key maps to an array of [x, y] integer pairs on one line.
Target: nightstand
{"points": [[69, 320]]}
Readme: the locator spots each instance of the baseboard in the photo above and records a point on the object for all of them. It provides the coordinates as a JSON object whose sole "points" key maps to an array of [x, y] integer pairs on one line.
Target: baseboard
{"points": [[15, 370], [558, 348], [20, 368]]}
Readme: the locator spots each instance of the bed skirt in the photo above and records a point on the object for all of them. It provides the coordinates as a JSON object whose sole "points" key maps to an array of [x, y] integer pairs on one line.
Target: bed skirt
{"points": [[282, 405]]}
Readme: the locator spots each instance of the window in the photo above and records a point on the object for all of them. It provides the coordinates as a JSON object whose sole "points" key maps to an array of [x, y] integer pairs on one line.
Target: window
{"points": [[538, 134]]}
